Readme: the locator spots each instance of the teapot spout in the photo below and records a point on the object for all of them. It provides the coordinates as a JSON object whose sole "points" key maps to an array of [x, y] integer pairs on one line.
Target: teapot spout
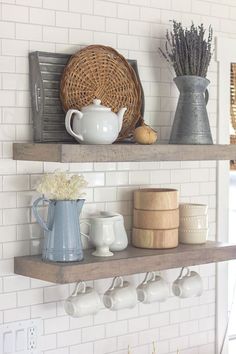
{"points": [[120, 115]]}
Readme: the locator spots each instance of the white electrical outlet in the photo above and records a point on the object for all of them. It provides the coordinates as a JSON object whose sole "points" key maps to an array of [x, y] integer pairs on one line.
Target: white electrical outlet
{"points": [[20, 337], [32, 344], [32, 331], [32, 338]]}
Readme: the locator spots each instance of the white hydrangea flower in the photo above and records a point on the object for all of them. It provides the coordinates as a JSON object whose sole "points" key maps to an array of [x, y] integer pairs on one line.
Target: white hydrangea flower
{"points": [[62, 186]]}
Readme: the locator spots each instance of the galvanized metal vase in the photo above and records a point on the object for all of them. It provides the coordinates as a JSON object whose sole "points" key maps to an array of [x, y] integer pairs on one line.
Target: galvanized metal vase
{"points": [[191, 123], [62, 241]]}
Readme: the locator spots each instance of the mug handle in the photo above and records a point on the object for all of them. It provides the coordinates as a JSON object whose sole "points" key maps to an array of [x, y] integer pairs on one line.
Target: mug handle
{"points": [[78, 115], [150, 276], [80, 287], [38, 218], [182, 270], [114, 283]]}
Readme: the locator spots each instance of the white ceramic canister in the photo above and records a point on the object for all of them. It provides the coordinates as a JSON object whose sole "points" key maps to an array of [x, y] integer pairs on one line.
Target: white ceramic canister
{"points": [[193, 222], [191, 209], [194, 237]]}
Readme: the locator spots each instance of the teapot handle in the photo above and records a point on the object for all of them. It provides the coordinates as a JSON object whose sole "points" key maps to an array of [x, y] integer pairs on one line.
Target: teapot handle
{"points": [[38, 218], [78, 115]]}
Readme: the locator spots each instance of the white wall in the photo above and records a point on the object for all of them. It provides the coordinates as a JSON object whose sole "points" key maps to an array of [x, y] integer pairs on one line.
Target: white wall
{"points": [[135, 28]]}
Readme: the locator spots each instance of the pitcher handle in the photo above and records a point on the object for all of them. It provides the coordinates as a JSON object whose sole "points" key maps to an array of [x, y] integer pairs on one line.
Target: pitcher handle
{"points": [[86, 222], [38, 218], [206, 96]]}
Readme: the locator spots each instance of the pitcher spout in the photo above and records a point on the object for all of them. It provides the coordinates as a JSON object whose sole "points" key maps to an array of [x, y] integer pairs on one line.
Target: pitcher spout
{"points": [[120, 115], [80, 203]]}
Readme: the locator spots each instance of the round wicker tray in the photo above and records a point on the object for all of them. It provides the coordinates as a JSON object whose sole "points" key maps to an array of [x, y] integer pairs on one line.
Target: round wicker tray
{"points": [[101, 72]]}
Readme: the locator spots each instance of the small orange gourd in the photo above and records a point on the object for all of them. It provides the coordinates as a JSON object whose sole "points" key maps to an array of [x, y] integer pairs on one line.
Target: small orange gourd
{"points": [[145, 135]]}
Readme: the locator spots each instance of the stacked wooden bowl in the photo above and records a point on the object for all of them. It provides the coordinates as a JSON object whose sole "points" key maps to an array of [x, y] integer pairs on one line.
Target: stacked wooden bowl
{"points": [[155, 218]]}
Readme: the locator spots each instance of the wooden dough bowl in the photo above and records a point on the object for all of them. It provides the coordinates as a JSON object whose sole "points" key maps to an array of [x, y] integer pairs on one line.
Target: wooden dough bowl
{"points": [[156, 199], [155, 238], [156, 219]]}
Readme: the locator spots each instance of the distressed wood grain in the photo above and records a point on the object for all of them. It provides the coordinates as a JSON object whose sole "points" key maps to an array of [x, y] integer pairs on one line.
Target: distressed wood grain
{"points": [[130, 261], [121, 152]]}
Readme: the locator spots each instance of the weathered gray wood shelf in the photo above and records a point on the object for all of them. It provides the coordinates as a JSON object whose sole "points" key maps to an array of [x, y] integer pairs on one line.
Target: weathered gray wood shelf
{"points": [[131, 261], [121, 152]]}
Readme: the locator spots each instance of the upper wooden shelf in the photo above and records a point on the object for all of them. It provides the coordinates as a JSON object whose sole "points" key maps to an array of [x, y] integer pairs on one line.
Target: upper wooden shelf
{"points": [[131, 261], [54, 152]]}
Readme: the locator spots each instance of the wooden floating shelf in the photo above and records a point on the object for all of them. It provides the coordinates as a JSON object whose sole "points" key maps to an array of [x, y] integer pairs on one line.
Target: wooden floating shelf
{"points": [[54, 152], [131, 261]]}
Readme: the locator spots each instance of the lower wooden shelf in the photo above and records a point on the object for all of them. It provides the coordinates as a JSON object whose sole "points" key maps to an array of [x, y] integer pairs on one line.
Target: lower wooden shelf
{"points": [[132, 260]]}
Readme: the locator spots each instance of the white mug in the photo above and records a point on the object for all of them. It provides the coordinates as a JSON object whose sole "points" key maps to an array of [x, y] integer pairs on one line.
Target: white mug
{"points": [[188, 285], [83, 301], [120, 295], [153, 288]]}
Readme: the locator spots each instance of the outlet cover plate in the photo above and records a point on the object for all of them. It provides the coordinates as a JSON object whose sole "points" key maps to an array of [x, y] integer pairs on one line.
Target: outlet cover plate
{"points": [[20, 337]]}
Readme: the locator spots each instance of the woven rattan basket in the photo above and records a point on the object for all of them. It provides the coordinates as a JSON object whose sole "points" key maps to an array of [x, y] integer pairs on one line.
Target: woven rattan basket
{"points": [[101, 72]]}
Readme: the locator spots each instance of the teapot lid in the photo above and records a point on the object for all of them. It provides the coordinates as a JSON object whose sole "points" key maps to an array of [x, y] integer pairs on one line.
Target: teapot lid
{"points": [[95, 106]]}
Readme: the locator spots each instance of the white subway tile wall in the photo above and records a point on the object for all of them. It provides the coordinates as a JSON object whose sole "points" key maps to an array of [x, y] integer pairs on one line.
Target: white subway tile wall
{"points": [[135, 28]]}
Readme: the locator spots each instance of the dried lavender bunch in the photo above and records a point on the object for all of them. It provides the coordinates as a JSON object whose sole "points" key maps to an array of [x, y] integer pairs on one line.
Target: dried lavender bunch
{"points": [[187, 50]]}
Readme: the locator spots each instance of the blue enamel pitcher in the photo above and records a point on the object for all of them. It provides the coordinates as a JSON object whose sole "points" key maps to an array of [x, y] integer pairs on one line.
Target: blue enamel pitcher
{"points": [[62, 241]]}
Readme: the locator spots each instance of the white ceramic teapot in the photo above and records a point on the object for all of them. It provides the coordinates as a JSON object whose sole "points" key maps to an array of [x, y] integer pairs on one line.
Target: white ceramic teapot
{"points": [[94, 124]]}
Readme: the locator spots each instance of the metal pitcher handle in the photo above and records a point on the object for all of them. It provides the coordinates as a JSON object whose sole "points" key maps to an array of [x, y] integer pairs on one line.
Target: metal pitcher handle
{"points": [[86, 222], [206, 96], [38, 218]]}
